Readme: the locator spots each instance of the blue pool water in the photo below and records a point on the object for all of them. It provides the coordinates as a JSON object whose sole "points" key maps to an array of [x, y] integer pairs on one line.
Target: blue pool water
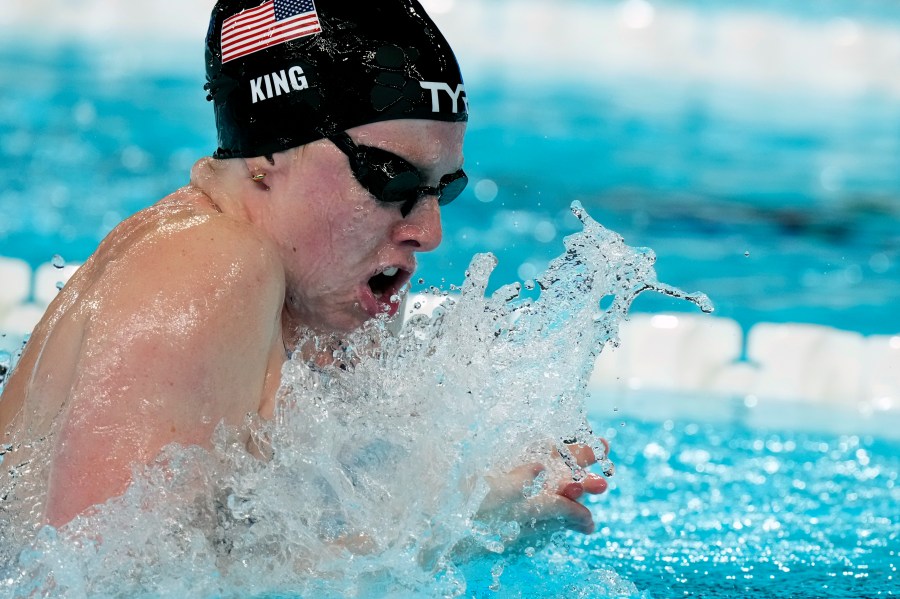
{"points": [[781, 204], [743, 507]]}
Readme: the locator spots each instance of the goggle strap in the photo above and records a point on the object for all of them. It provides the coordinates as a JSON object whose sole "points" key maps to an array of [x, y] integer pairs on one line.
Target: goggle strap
{"points": [[343, 142]]}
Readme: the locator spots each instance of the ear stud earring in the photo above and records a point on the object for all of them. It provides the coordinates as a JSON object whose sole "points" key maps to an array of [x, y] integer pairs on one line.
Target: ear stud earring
{"points": [[258, 177]]}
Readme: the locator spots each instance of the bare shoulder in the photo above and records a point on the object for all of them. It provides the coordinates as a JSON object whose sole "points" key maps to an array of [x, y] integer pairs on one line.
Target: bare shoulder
{"points": [[184, 296], [178, 316], [182, 250]]}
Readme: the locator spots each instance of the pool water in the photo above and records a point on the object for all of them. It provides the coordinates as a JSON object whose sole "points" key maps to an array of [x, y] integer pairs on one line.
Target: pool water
{"points": [[714, 509], [725, 508], [721, 509]]}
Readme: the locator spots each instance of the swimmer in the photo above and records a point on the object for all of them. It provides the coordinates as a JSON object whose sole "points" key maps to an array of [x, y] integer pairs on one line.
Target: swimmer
{"points": [[340, 133]]}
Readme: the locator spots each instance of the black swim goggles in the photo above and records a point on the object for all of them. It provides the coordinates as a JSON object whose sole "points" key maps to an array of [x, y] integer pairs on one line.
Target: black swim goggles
{"points": [[393, 180]]}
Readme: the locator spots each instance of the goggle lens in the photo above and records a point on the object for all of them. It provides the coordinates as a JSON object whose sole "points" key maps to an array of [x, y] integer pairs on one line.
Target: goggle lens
{"points": [[393, 180]]}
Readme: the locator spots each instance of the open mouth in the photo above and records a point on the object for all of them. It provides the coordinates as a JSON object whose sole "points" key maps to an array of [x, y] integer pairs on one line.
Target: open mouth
{"points": [[385, 286], [383, 282]]}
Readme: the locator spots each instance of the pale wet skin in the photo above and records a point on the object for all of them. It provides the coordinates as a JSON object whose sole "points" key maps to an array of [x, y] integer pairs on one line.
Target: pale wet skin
{"points": [[185, 314]]}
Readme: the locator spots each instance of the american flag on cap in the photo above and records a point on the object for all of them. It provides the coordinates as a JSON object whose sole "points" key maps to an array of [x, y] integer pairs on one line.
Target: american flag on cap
{"points": [[269, 24]]}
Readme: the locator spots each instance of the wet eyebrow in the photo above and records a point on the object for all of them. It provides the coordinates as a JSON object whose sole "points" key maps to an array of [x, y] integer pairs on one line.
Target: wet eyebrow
{"points": [[431, 171]]}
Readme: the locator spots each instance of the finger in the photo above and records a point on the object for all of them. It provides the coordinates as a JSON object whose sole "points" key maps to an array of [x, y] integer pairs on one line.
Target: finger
{"points": [[510, 487], [594, 484], [563, 512], [605, 446], [520, 474], [571, 490], [583, 454], [525, 473], [580, 519]]}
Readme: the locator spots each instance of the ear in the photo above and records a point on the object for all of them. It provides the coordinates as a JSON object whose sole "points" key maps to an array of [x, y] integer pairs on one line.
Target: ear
{"points": [[259, 164], [259, 170], [257, 173]]}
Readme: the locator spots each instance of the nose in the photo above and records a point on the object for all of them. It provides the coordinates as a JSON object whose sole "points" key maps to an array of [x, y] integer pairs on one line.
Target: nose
{"points": [[421, 229]]}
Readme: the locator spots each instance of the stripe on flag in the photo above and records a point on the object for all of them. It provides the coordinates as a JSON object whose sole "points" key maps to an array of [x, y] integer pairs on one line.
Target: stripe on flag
{"points": [[269, 24]]}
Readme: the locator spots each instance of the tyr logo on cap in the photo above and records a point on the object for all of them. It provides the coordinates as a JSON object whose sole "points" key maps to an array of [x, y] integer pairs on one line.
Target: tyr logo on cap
{"points": [[437, 86]]}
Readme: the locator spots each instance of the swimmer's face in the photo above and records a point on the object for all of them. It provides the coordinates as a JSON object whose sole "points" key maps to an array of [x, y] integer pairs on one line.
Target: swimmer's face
{"points": [[345, 254]]}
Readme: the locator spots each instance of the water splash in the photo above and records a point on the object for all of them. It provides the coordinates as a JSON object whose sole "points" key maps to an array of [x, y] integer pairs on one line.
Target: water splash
{"points": [[379, 455]]}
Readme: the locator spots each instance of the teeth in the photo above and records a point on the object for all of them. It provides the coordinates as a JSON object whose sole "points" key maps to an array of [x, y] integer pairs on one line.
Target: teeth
{"points": [[390, 272]]}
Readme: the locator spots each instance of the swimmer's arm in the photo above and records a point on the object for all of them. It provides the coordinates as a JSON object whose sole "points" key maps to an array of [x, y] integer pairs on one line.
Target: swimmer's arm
{"points": [[179, 341]]}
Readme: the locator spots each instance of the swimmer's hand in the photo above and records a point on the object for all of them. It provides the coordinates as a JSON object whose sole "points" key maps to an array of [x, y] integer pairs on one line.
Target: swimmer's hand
{"points": [[554, 506]]}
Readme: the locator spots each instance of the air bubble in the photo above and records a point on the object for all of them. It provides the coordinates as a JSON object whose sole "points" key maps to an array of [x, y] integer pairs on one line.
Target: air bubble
{"points": [[58, 261]]}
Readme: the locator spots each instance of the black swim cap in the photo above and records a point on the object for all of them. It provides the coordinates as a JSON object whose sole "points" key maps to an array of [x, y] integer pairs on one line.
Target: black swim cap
{"points": [[283, 73]]}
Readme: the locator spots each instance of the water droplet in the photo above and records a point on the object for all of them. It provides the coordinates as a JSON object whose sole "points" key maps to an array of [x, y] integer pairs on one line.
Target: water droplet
{"points": [[421, 281], [534, 488], [530, 551], [496, 574], [578, 474], [747, 254], [529, 284], [60, 285], [58, 261], [5, 365], [608, 468], [417, 305]]}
